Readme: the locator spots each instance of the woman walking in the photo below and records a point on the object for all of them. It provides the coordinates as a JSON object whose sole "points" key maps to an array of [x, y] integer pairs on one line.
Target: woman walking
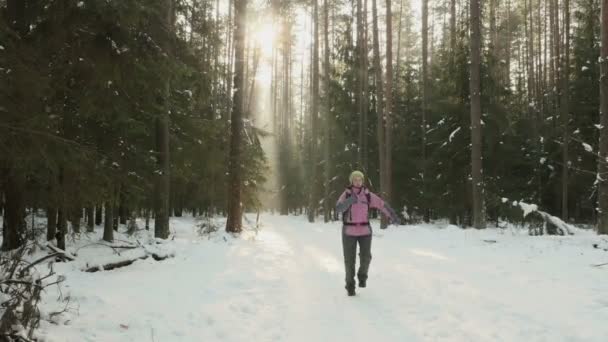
{"points": [[354, 205]]}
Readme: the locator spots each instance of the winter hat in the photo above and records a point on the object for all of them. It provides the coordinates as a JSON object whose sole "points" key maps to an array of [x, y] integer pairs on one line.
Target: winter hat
{"points": [[354, 174]]}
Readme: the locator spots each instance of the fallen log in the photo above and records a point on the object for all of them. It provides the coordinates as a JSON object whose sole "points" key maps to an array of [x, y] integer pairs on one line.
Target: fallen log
{"points": [[123, 263]]}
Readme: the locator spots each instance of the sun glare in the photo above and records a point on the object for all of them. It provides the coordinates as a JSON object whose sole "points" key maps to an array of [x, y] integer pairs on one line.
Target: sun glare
{"points": [[264, 37]]}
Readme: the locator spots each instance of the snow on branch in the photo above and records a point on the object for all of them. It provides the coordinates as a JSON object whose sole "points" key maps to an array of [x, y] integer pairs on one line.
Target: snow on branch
{"points": [[551, 223]]}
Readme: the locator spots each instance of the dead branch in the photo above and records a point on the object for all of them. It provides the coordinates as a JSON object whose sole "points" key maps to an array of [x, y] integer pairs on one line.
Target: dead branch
{"points": [[63, 253]]}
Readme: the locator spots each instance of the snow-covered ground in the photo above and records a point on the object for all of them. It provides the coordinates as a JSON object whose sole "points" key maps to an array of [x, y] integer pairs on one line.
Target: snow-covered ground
{"points": [[285, 283]]}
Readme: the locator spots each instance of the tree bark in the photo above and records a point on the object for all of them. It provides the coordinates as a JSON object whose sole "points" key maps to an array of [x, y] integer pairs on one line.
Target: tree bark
{"points": [[161, 222], [62, 220], [313, 198], [328, 119], [51, 226], [389, 104], [108, 226], [76, 216], [565, 115], [163, 176], [284, 143], [452, 32], [399, 29], [122, 207], [361, 68], [552, 67], [13, 231], [234, 220], [425, 95], [90, 219], [62, 228], [98, 214], [476, 140], [602, 226], [362, 84], [380, 107], [507, 70], [365, 96], [147, 215], [529, 32]]}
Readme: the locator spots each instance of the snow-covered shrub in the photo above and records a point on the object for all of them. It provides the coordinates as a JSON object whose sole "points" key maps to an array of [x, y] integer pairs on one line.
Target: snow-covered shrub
{"points": [[20, 287]]}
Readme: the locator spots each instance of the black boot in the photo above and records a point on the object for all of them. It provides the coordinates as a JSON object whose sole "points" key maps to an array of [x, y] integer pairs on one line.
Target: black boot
{"points": [[350, 290], [362, 280]]}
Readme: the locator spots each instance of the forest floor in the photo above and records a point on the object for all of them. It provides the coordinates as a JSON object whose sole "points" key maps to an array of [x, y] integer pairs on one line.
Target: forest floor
{"points": [[285, 282]]}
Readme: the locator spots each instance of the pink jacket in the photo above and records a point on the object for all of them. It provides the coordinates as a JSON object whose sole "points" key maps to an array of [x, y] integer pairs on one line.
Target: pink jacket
{"points": [[357, 220]]}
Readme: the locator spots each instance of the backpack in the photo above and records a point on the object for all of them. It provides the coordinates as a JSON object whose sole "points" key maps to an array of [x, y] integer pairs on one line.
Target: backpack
{"points": [[347, 212]]}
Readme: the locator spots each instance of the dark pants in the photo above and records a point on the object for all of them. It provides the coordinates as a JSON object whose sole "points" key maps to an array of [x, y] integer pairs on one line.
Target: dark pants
{"points": [[349, 247]]}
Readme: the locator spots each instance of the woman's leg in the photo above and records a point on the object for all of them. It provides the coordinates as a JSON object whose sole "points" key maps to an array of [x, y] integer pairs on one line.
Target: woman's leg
{"points": [[365, 254], [349, 247]]}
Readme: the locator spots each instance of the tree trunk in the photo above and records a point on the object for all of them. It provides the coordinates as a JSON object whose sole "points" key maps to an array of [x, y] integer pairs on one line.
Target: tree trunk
{"points": [[545, 63], [108, 226], [507, 69], [247, 67], [161, 223], [552, 68], [13, 230], [389, 104], [494, 43], [565, 115], [476, 141], [51, 226], [115, 216], [539, 64], [75, 219], [425, 94], [312, 200], [602, 226], [62, 228], [493, 28], [529, 32], [163, 177], [234, 220], [284, 143], [122, 207], [62, 219], [452, 32], [147, 214], [328, 119], [217, 52], [365, 96], [90, 219], [98, 214], [362, 73], [399, 29], [379, 104], [556, 56]]}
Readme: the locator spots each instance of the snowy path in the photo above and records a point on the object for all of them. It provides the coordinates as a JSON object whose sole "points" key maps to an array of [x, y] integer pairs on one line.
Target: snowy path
{"points": [[286, 284]]}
